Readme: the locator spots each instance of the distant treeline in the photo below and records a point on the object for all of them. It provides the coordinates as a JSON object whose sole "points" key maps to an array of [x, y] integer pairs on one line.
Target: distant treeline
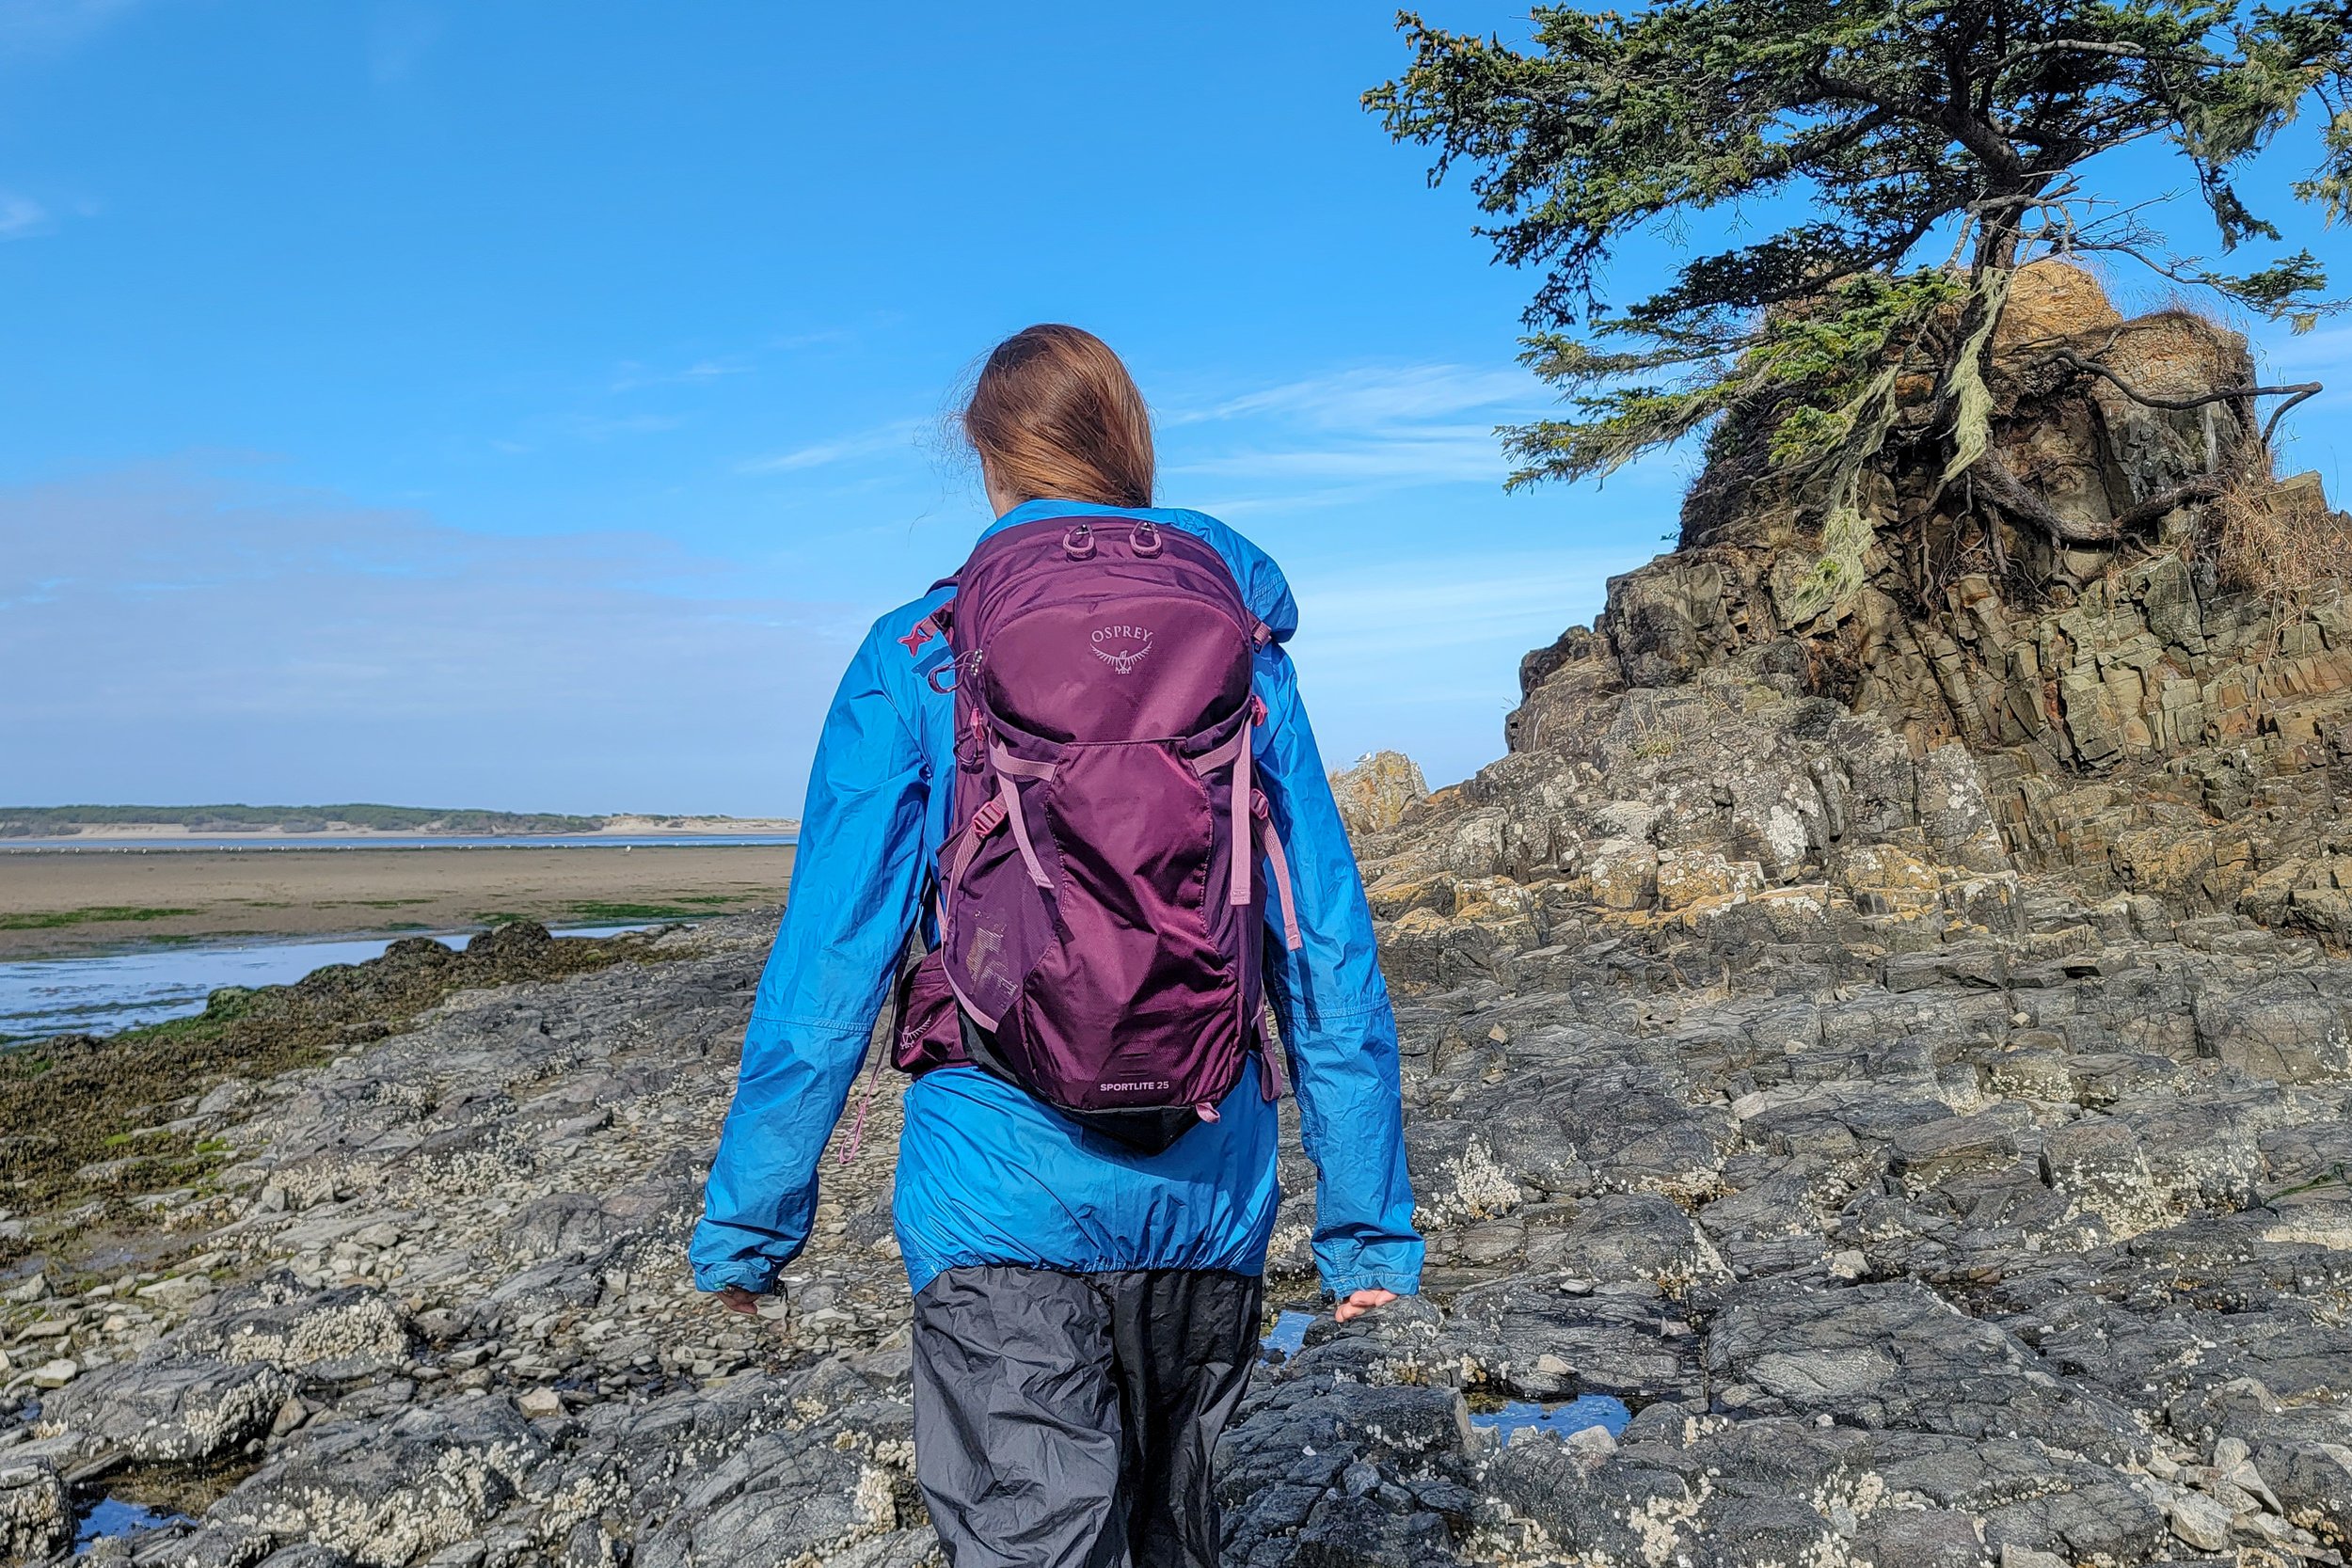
{"points": [[61, 821]]}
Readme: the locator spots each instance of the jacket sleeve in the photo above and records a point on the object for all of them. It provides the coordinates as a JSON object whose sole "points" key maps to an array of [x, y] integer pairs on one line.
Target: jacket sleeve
{"points": [[1333, 1007], [856, 878]]}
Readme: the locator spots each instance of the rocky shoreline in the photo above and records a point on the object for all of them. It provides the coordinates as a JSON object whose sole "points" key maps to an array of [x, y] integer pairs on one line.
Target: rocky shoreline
{"points": [[1955, 1269]]}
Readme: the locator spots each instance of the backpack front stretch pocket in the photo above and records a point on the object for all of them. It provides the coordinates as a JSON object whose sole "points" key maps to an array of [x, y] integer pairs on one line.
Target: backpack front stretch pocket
{"points": [[1134, 1004]]}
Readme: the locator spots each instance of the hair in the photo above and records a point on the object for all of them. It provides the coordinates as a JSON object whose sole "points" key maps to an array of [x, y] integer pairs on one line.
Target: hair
{"points": [[1054, 413]]}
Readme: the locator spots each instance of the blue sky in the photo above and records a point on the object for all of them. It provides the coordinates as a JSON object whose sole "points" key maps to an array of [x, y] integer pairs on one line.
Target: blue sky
{"points": [[527, 405]]}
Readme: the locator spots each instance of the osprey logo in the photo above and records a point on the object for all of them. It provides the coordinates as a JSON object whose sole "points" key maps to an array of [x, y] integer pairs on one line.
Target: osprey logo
{"points": [[1121, 647]]}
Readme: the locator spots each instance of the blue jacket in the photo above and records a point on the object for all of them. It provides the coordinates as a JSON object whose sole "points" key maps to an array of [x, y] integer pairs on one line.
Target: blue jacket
{"points": [[987, 1174]]}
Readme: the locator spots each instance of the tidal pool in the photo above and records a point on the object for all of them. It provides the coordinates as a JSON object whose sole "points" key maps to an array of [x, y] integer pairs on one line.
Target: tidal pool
{"points": [[1283, 1341], [110, 1517], [1585, 1410], [122, 991]]}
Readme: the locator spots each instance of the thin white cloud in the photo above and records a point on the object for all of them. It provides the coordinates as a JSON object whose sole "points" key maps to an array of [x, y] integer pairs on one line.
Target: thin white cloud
{"points": [[1375, 395], [1404, 609], [1424, 455], [896, 437], [22, 217], [1423, 651], [1323, 441], [2323, 348], [631, 375]]}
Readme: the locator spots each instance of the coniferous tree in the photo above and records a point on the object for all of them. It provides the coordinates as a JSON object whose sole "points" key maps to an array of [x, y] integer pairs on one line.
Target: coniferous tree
{"points": [[1933, 148]]}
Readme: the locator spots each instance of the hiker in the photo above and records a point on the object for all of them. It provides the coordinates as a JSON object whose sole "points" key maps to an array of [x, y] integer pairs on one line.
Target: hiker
{"points": [[1078, 774]]}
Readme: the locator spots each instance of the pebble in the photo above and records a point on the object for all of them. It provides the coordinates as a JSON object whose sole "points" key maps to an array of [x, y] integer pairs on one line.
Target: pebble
{"points": [[2199, 1521], [1592, 1443], [537, 1402]]}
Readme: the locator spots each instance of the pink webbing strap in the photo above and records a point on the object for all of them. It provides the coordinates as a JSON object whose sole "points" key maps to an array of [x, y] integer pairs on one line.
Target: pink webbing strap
{"points": [[984, 821], [857, 1126], [1020, 768], [1210, 761], [1021, 831], [1281, 863], [1008, 768], [1238, 751], [1242, 792]]}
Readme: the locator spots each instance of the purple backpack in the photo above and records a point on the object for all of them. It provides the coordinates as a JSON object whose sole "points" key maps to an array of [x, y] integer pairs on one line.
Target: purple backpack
{"points": [[1101, 922]]}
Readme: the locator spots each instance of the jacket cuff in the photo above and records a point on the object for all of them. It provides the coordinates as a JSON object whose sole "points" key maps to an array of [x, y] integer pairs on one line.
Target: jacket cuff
{"points": [[752, 1274], [1347, 1285]]}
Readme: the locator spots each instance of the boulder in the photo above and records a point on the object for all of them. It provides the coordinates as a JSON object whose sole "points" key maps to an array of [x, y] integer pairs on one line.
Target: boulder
{"points": [[174, 1407], [35, 1513], [1373, 793]]}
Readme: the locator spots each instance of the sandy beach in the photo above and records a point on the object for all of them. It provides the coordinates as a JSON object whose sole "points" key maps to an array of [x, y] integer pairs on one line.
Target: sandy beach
{"points": [[55, 903], [626, 826]]}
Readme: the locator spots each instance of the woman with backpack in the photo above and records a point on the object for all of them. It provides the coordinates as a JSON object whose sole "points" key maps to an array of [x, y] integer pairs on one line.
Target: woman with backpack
{"points": [[1078, 773]]}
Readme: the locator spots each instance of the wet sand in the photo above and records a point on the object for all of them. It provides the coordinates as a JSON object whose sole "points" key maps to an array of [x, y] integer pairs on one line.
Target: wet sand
{"points": [[84, 901]]}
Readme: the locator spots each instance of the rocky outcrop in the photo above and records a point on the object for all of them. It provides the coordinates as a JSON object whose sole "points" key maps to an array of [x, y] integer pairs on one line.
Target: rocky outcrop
{"points": [[1374, 794]]}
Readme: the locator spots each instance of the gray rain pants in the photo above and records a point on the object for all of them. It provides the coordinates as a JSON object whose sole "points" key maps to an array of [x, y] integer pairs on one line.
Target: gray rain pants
{"points": [[1068, 1420]]}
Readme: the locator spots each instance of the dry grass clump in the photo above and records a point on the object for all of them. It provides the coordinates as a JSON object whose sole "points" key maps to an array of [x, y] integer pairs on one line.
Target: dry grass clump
{"points": [[2282, 541]]}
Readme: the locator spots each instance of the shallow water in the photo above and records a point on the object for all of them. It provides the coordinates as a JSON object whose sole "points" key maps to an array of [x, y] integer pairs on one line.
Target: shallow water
{"points": [[122, 991], [1585, 1410], [1283, 1341], [259, 843], [113, 1516]]}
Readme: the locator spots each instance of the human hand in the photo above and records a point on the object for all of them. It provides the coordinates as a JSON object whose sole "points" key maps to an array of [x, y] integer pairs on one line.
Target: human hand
{"points": [[737, 1299], [1360, 1302]]}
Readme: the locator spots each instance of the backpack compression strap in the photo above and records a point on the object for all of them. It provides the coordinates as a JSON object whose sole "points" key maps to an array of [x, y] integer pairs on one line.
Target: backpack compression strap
{"points": [[1281, 863], [1008, 768], [1248, 803]]}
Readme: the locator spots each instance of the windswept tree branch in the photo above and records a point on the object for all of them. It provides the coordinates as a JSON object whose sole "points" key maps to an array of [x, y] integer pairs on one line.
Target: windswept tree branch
{"points": [[1953, 119], [2090, 46], [2202, 488], [2008, 492], [2005, 490], [2299, 390], [2309, 389]]}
